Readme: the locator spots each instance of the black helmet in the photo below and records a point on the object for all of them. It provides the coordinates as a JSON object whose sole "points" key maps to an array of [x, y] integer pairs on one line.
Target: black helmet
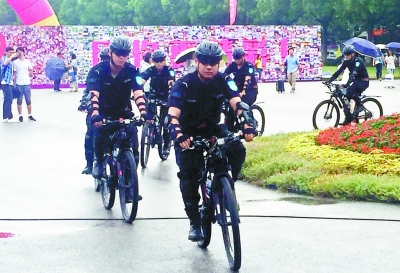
{"points": [[104, 54], [347, 50], [238, 52], [208, 53], [121, 46], [158, 56]]}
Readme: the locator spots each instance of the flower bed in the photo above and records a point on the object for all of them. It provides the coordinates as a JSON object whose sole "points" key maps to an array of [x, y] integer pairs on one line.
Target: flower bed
{"points": [[374, 136]]}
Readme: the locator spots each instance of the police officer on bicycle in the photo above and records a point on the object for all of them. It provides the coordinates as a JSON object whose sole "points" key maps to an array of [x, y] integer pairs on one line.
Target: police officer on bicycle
{"points": [[242, 72], [89, 128], [243, 75], [162, 77], [195, 105], [110, 85], [357, 83]]}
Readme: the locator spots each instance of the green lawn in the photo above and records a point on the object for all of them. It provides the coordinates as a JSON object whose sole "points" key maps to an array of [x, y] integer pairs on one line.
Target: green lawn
{"points": [[371, 71]]}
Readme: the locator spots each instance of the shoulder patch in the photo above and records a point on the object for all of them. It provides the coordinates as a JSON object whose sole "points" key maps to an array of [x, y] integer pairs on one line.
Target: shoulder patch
{"points": [[357, 64], [172, 73], [139, 80], [232, 85], [251, 70]]}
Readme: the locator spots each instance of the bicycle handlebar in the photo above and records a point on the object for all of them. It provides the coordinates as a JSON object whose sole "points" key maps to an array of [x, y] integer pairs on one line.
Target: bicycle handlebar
{"points": [[108, 121]]}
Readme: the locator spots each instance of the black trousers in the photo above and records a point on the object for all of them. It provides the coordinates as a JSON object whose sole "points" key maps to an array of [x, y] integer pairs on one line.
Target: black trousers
{"points": [[8, 98], [102, 134], [191, 164], [57, 84]]}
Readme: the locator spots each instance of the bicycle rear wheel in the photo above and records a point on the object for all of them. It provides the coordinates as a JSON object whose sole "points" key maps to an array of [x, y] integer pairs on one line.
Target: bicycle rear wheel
{"points": [[259, 116], [145, 145], [372, 110], [107, 185], [161, 144], [206, 212], [128, 187], [326, 115], [230, 224]]}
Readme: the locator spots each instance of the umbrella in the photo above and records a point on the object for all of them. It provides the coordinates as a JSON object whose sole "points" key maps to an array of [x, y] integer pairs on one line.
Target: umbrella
{"points": [[364, 47], [394, 45], [381, 46], [55, 68], [187, 55]]}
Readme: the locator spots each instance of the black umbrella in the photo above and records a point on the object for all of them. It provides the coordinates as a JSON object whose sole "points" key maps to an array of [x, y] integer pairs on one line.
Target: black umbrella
{"points": [[55, 68]]}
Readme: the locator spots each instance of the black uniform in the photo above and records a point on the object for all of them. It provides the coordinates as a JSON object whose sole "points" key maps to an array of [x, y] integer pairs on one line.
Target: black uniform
{"points": [[114, 100], [89, 135], [247, 69], [159, 81], [159, 89], [201, 104], [358, 77]]}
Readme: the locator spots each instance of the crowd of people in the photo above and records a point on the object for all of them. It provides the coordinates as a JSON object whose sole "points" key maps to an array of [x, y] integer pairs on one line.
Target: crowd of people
{"points": [[269, 43]]}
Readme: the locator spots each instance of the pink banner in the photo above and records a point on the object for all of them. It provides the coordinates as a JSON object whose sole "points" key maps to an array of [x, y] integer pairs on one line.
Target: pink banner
{"points": [[232, 11], [3, 44]]}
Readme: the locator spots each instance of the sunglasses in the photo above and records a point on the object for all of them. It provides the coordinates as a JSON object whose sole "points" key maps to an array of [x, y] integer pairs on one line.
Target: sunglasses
{"points": [[211, 60], [121, 53], [237, 57], [158, 60]]}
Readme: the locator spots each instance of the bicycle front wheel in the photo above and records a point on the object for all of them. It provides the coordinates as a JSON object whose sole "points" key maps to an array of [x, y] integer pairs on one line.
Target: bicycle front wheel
{"points": [[128, 187], [326, 115], [372, 109], [230, 224], [161, 144], [145, 145], [259, 116], [107, 185], [206, 214]]}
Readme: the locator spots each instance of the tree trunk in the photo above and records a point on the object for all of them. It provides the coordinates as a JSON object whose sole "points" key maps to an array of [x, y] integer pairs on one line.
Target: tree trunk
{"points": [[324, 39]]}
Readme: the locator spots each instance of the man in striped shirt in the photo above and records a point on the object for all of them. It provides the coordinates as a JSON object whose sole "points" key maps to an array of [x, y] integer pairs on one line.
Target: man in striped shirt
{"points": [[7, 82]]}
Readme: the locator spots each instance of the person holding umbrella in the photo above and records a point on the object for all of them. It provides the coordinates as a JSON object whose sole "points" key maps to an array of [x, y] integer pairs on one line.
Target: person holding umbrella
{"points": [[57, 80], [357, 83]]}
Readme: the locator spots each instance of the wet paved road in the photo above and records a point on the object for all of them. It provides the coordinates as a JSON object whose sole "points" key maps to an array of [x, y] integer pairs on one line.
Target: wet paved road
{"points": [[60, 225]]}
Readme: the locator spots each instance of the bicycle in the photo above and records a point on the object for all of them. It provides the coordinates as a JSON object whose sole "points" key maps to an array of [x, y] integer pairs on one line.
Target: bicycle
{"points": [[120, 170], [218, 198], [258, 115], [152, 133], [327, 111]]}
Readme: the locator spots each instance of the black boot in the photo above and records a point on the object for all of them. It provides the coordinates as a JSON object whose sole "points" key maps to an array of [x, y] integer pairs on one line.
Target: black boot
{"points": [[195, 234], [98, 169], [88, 169], [167, 148], [192, 211]]}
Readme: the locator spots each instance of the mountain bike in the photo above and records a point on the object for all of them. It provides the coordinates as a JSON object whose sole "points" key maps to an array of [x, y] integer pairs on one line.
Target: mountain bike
{"points": [[152, 133], [218, 198], [258, 115], [120, 169], [327, 113]]}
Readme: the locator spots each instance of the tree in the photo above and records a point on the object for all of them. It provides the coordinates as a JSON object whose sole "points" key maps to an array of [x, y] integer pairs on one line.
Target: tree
{"points": [[369, 15], [323, 12], [7, 15], [149, 12], [208, 12], [178, 11], [278, 12]]}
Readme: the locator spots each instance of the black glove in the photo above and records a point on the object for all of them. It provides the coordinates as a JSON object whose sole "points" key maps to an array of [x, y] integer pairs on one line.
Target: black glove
{"points": [[249, 131], [181, 139], [128, 114], [95, 118]]}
